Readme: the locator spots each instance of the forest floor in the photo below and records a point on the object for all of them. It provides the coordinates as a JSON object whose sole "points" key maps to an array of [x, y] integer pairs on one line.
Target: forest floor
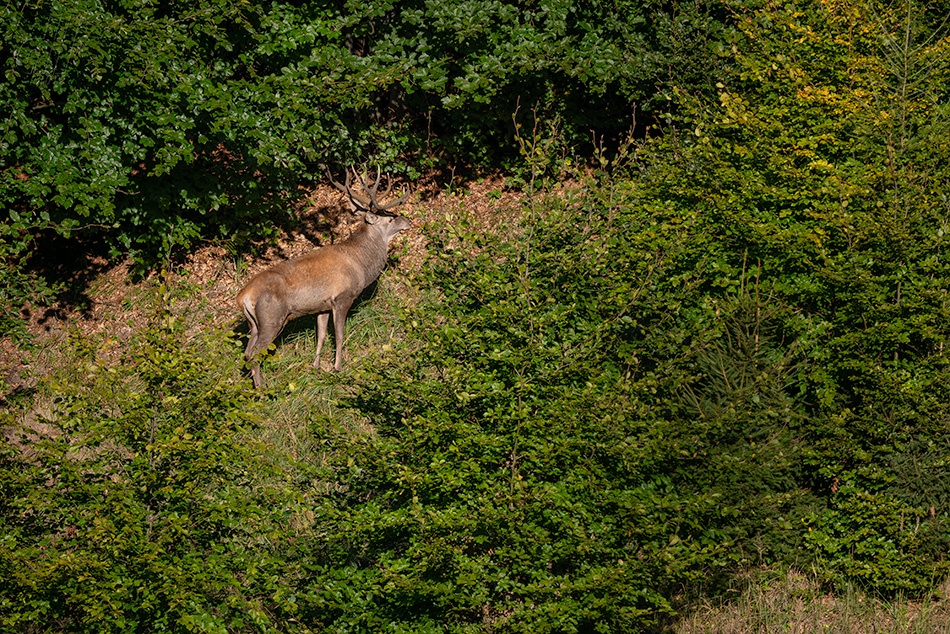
{"points": [[100, 296]]}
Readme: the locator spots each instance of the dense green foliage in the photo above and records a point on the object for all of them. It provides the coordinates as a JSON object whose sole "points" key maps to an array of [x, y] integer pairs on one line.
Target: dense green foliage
{"points": [[826, 163], [156, 124], [719, 347], [524, 477]]}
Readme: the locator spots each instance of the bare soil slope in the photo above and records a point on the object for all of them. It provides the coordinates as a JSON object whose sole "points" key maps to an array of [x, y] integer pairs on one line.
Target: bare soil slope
{"points": [[100, 298]]}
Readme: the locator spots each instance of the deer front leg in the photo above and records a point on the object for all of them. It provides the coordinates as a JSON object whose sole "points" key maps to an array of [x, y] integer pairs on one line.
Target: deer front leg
{"points": [[339, 331], [322, 321]]}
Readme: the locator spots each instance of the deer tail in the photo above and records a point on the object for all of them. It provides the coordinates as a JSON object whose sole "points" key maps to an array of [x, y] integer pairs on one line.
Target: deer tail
{"points": [[248, 306]]}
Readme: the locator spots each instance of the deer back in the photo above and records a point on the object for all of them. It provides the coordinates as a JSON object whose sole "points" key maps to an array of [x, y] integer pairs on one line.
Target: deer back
{"points": [[316, 281]]}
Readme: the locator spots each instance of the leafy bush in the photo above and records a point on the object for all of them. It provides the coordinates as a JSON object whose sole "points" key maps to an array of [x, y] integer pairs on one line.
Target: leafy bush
{"points": [[521, 476], [812, 164], [877, 542], [727, 348], [465, 67], [152, 124], [17, 286], [703, 348], [141, 504], [162, 125]]}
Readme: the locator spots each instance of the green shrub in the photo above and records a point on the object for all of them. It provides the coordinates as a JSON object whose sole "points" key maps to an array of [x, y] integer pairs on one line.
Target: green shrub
{"points": [[876, 542], [141, 503], [823, 162], [519, 477], [160, 126]]}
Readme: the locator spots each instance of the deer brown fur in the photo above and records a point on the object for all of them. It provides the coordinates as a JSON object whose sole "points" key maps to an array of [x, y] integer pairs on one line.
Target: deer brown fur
{"points": [[324, 281]]}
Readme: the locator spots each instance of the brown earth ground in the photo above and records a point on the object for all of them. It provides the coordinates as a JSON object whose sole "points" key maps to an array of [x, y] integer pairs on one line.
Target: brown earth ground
{"points": [[105, 287]]}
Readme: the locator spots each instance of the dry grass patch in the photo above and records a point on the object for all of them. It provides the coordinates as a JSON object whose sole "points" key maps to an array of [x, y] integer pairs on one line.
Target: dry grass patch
{"points": [[793, 603]]}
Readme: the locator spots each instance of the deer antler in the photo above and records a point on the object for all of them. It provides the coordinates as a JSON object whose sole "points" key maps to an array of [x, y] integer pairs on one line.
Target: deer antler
{"points": [[369, 201]]}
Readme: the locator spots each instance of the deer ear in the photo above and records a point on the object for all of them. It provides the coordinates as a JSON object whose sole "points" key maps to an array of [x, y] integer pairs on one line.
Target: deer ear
{"points": [[371, 218]]}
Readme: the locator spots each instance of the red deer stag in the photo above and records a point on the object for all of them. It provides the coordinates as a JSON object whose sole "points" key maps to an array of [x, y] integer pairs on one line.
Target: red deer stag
{"points": [[327, 279]]}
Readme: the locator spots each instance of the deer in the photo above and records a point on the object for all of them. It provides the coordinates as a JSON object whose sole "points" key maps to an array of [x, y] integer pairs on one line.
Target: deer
{"points": [[324, 281]]}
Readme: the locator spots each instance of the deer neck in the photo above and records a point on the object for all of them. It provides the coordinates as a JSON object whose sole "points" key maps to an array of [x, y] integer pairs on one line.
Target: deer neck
{"points": [[370, 248]]}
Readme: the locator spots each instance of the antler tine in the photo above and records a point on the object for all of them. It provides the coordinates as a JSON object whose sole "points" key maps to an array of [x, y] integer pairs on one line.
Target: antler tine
{"points": [[336, 183], [367, 201], [398, 201], [378, 179], [373, 185], [355, 198], [371, 192], [370, 188], [379, 172]]}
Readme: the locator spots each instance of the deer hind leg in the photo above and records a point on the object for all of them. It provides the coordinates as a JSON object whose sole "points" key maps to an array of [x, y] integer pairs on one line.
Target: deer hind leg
{"points": [[253, 336], [266, 320], [322, 321]]}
